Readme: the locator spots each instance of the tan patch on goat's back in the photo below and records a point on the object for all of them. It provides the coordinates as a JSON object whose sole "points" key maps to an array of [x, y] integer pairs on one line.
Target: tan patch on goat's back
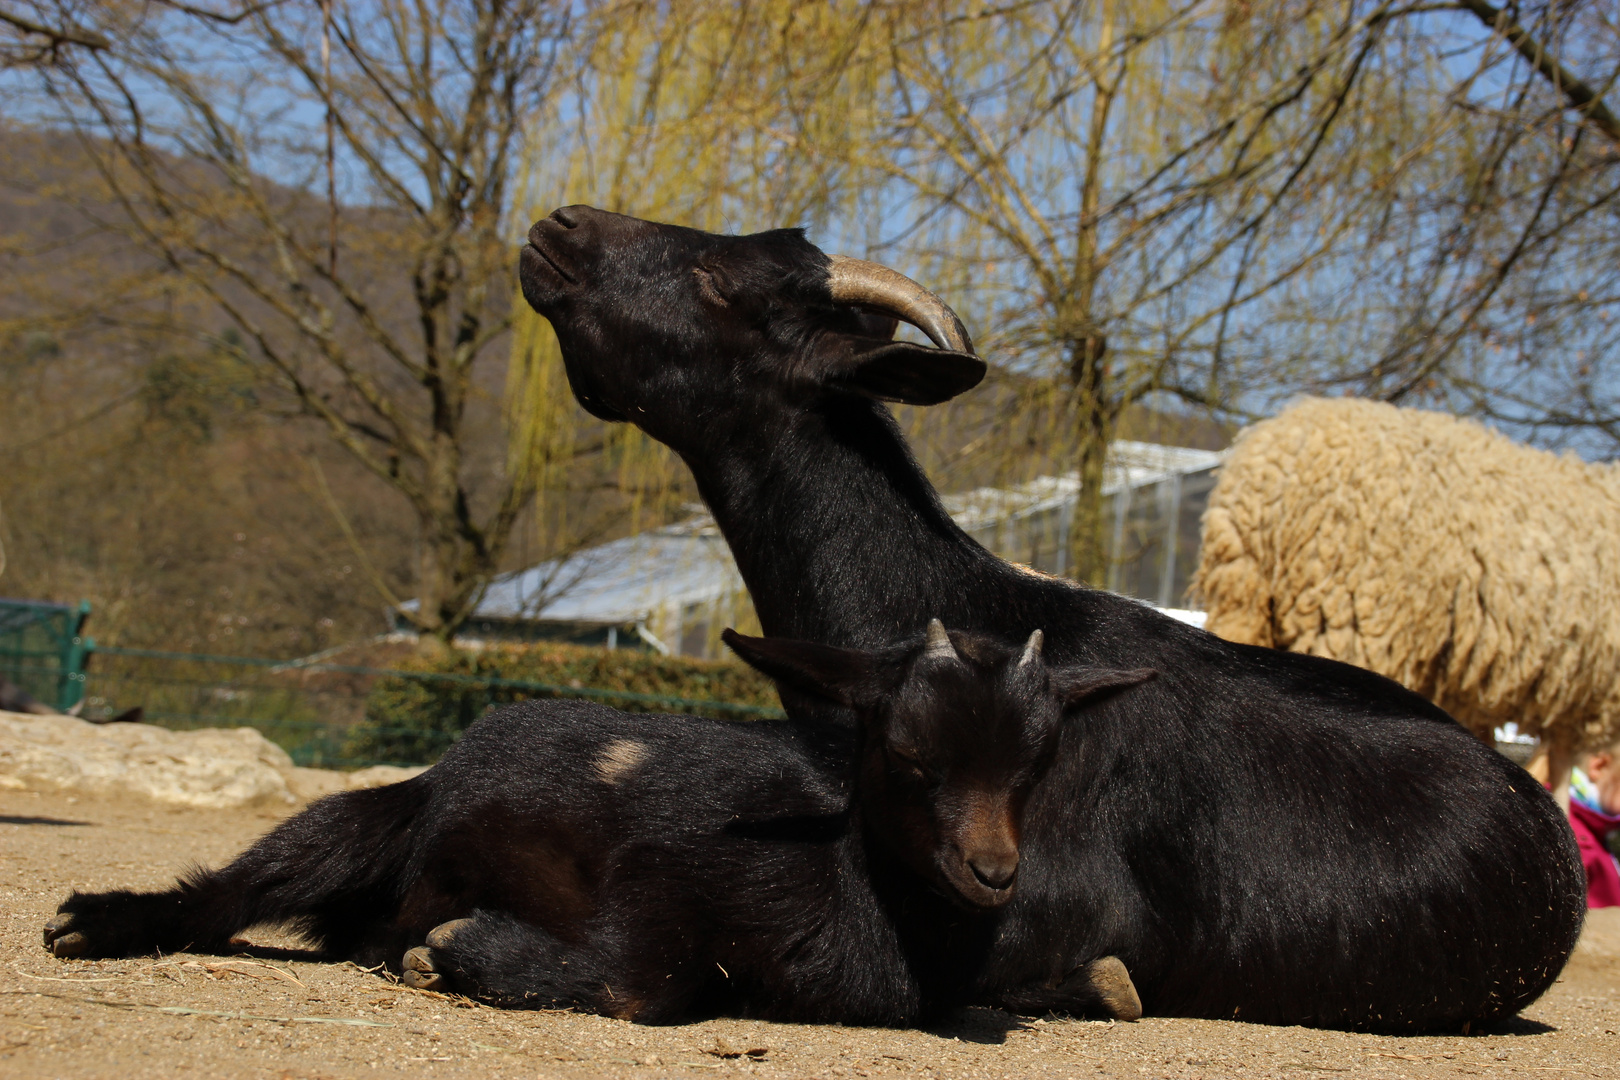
{"points": [[619, 758]]}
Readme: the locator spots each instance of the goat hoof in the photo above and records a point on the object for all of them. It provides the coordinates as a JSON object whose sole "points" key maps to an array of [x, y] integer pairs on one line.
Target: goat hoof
{"points": [[1114, 988], [62, 940], [419, 972], [439, 937]]}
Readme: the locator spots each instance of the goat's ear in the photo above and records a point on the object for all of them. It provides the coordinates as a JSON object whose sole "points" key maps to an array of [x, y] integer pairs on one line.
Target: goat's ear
{"points": [[908, 373], [844, 676], [1088, 685], [876, 324]]}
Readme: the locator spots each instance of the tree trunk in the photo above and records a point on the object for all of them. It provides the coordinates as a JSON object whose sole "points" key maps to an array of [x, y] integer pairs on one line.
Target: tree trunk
{"points": [[457, 557], [451, 575], [1088, 555]]}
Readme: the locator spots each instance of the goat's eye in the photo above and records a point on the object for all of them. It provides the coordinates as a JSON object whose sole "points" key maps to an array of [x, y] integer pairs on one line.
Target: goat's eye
{"points": [[707, 287], [908, 763]]}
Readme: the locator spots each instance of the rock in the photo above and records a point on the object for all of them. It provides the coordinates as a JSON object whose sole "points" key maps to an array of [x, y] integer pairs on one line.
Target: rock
{"points": [[306, 784], [381, 775], [212, 768], [310, 784]]}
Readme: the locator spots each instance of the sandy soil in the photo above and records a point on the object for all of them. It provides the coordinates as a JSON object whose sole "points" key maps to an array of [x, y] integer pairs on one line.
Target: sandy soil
{"points": [[276, 1013]]}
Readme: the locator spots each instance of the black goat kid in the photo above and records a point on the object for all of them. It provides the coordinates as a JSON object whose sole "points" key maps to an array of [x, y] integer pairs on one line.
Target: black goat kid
{"points": [[1255, 834], [657, 867]]}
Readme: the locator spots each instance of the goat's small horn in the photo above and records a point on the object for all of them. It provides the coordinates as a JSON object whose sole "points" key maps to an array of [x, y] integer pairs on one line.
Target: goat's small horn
{"points": [[1032, 648], [870, 284], [939, 642]]}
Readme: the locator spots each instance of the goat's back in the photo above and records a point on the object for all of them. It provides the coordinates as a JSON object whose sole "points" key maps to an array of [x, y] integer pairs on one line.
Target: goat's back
{"points": [[1283, 838]]}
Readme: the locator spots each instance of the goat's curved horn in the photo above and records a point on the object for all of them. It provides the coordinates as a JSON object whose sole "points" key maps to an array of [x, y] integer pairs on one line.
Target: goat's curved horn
{"points": [[939, 642], [1032, 648], [856, 281]]}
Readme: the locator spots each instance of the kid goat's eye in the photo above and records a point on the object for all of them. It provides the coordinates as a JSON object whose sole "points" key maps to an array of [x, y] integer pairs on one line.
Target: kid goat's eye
{"points": [[907, 762]]}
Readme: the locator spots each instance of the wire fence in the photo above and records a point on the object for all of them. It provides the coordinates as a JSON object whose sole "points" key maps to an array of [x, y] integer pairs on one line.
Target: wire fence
{"points": [[329, 715], [43, 646]]}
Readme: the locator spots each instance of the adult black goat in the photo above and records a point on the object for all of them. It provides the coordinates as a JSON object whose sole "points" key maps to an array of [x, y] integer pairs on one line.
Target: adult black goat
{"points": [[654, 867], [1256, 834]]}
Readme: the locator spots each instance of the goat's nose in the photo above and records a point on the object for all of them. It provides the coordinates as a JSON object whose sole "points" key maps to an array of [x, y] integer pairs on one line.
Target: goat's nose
{"points": [[566, 216], [994, 870]]}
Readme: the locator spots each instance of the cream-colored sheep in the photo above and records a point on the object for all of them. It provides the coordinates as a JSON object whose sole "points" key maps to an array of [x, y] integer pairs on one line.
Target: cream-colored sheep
{"points": [[1483, 574]]}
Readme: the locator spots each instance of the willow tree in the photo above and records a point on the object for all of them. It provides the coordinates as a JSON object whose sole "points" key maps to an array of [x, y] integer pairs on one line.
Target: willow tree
{"points": [[1113, 180], [337, 180], [713, 114], [1488, 282]]}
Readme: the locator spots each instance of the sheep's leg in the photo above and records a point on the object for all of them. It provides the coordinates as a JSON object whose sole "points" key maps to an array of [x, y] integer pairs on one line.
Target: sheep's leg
{"points": [[1552, 764], [1560, 764], [500, 959], [1100, 987]]}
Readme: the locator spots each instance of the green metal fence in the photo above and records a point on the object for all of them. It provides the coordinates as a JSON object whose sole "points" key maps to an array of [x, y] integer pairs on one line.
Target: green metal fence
{"points": [[42, 649]]}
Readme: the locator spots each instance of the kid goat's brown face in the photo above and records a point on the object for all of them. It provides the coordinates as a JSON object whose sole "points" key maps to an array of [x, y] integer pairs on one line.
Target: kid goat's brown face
{"points": [[955, 733]]}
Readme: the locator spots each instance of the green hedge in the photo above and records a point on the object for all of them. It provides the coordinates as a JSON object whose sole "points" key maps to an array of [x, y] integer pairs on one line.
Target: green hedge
{"points": [[414, 717]]}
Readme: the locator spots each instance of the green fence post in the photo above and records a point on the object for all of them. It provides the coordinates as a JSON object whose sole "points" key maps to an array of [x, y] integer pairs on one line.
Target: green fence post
{"points": [[77, 647]]}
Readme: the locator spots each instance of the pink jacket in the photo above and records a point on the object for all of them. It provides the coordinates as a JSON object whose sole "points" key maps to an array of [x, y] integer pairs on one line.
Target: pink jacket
{"points": [[1602, 871]]}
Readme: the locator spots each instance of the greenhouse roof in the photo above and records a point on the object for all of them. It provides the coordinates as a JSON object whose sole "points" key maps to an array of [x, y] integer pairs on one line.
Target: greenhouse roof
{"points": [[1130, 464], [620, 582]]}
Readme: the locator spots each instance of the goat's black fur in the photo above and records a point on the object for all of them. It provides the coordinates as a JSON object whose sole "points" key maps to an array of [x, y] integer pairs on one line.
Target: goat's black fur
{"points": [[1256, 834], [656, 867]]}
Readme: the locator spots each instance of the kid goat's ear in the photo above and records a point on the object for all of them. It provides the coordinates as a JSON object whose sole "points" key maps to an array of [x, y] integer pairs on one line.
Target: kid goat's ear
{"points": [[1082, 685], [908, 373], [844, 676]]}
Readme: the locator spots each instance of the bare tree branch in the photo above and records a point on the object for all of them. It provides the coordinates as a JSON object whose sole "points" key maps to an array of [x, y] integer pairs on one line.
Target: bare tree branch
{"points": [[53, 39], [1582, 98]]}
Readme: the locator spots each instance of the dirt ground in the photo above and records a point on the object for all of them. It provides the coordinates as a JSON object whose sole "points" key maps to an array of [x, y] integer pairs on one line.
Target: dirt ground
{"points": [[275, 1013]]}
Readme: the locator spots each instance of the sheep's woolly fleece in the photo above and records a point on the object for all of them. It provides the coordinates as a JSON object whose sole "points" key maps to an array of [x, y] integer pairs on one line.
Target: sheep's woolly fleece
{"points": [[208, 769], [1479, 572]]}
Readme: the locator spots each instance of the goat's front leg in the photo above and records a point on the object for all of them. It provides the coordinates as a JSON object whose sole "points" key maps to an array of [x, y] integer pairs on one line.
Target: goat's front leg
{"points": [[497, 958], [1101, 987]]}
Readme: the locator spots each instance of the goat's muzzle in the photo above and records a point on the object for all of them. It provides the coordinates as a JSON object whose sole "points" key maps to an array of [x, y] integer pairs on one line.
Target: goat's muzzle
{"points": [[979, 883], [983, 873]]}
